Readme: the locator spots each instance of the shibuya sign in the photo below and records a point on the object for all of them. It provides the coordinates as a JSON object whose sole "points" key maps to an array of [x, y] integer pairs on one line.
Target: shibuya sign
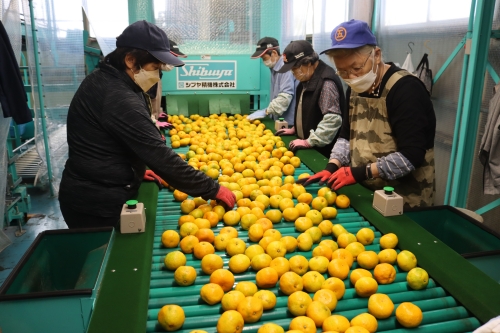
{"points": [[207, 74]]}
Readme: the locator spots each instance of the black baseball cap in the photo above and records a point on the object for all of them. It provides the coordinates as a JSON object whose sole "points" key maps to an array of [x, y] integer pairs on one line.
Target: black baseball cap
{"points": [[295, 51], [174, 49], [263, 45], [147, 36]]}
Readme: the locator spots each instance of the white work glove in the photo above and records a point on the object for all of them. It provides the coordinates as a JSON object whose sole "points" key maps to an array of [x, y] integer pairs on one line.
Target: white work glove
{"points": [[259, 114], [492, 326]]}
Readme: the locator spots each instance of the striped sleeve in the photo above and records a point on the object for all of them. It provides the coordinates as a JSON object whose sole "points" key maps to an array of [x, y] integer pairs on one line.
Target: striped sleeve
{"points": [[393, 166], [341, 152]]}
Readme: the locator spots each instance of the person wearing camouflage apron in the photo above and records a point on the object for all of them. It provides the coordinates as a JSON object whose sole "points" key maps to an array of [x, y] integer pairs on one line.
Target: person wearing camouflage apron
{"points": [[371, 137], [388, 138]]}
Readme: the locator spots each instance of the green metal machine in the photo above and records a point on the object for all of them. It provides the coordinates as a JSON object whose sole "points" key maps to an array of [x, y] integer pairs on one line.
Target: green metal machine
{"points": [[56, 282]]}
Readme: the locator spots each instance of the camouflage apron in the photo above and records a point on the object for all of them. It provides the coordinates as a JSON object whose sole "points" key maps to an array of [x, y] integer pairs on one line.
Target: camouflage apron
{"points": [[371, 138]]}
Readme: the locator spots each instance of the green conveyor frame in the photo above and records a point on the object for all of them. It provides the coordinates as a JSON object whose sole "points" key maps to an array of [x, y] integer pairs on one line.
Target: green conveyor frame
{"points": [[122, 304]]}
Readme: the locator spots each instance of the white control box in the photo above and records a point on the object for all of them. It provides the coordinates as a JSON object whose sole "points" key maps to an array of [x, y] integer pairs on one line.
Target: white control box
{"points": [[132, 217], [280, 124], [387, 202]]}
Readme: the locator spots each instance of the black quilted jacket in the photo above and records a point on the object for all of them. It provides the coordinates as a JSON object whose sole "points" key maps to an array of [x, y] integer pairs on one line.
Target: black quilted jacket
{"points": [[111, 140]]}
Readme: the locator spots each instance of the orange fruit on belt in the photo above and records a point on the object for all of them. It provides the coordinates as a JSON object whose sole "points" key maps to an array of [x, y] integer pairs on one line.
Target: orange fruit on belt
{"points": [[342, 201], [171, 317], [231, 300], [210, 263], [224, 278], [267, 298], [174, 260], [409, 315], [266, 277], [251, 309], [384, 273], [211, 293], [185, 275], [230, 322], [336, 285], [380, 306], [298, 302]]}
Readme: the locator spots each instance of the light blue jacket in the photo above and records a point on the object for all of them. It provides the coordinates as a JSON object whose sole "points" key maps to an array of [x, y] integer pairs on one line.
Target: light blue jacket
{"points": [[282, 83]]}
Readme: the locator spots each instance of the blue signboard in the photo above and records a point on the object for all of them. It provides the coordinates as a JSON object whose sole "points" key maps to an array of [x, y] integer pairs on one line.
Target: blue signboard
{"points": [[206, 75]]}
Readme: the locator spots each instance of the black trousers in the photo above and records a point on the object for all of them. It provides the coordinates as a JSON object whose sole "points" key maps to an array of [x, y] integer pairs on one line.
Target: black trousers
{"points": [[78, 220]]}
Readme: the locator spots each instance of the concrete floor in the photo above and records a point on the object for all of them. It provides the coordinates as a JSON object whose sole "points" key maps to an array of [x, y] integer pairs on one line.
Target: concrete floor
{"points": [[46, 216]]}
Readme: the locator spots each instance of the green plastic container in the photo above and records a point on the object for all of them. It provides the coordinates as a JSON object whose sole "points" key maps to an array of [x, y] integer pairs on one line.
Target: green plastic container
{"points": [[55, 282]]}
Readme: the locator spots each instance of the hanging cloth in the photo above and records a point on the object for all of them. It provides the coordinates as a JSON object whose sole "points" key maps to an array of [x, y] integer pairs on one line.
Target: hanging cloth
{"points": [[408, 64], [424, 73], [489, 150], [12, 94]]}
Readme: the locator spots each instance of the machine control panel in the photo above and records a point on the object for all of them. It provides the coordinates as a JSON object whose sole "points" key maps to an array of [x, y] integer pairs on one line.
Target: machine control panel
{"points": [[387, 202], [133, 217]]}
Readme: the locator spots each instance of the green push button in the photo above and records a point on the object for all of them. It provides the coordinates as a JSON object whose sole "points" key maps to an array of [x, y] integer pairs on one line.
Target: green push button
{"points": [[388, 189], [281, 119], [132, 204]]}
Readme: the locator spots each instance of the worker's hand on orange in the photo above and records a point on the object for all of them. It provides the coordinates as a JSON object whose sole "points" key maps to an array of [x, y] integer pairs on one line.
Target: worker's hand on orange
{"points": [[163, 124], [151, 176], [285, 131], [321, 177], [299, 144], [162, 115], [346, 176], [226, 196]]}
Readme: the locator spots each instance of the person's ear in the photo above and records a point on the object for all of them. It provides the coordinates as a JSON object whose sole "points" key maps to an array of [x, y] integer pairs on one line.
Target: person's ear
{"points": [[378, 55], [130, 62]]}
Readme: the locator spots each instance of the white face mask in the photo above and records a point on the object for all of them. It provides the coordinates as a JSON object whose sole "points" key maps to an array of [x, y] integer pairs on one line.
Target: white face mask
{"points": [[167, 67], [269, 63], [147, 79], [300, 76], [363, 83]]}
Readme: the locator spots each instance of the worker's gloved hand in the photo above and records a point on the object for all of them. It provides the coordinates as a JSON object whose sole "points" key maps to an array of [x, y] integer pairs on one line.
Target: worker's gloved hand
{"points": [[226, 196], [259, 114], [285, 131], [299, 144], [153, 177], [492, 326], [164, 124], [163, 115], [346, 176], [321, 177]]}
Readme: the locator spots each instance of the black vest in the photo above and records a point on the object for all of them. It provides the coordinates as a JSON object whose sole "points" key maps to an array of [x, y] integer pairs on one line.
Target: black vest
{"points": [[311, 113]]}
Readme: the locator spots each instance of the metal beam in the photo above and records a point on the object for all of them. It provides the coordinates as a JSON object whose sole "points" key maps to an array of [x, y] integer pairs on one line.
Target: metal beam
{"points": [[472, 102], [492, 72], [41, 97], [449, 60]]}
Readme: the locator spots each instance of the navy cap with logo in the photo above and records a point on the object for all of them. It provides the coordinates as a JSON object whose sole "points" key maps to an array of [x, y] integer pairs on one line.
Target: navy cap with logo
{"points": [[263, 45], [174, 49], [295, 51], [350, 35], [147, 36]]}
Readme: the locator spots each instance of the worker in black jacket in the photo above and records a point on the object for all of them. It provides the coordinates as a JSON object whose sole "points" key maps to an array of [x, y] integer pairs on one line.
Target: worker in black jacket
{"points": [[112, 138], [320, 99]]}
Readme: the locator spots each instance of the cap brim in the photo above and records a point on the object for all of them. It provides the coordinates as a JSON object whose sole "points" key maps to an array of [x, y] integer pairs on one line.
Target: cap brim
{"points": [[167, 58], [258, 54], [344, 46], [286, 67], [178, 54]]}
